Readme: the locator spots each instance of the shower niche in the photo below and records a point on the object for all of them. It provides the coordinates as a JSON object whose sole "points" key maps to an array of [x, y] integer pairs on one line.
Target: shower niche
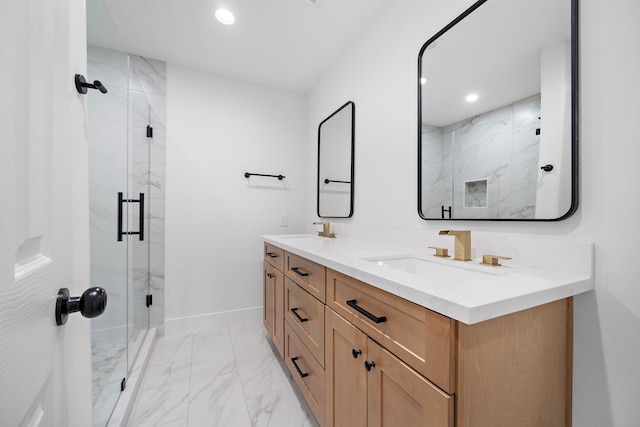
{"points": [[125, 129]]}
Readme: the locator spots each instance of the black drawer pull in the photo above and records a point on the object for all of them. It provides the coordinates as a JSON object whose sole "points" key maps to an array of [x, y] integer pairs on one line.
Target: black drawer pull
{"points": [[270, 276], [295, 313], [298, 272], [369, 365], [272, 255], [302, 374], [353, 304], [355, 353]]}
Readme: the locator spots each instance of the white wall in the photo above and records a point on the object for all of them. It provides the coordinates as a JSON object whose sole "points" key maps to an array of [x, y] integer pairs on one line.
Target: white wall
{"points": [[378, 73], [218, 129]]}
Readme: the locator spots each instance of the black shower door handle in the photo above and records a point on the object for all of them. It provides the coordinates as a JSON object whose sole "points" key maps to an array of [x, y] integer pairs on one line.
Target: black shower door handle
{"points": [[122, 200]]}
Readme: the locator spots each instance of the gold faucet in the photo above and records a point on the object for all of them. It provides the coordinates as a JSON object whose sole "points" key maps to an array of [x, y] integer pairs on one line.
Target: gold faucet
{"points": [[462, 250], [326, 229]]}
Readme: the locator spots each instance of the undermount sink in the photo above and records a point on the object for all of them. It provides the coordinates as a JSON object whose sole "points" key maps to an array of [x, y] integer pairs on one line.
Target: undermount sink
{"points": [[303, 237], [444, 268]]}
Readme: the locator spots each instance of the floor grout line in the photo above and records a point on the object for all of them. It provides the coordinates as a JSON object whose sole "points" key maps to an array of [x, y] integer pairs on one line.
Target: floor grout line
{"points": [[247, 335]]}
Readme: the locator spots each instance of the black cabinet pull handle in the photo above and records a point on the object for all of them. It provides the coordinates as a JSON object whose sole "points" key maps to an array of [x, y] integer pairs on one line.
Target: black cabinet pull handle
{"points": [[295, 313], [272, 255], [298, 272], [369, 365], [270, 276], [353, 304], [302, 374], [356, 353]]}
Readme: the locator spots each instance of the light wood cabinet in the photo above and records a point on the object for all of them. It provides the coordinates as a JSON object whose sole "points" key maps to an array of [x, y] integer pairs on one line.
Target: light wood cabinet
{"points": [[305, 315], [368, 386], [346, 378], [425, 369], [273, 297], [421, 337], [306, 372], [308, 274], [515, 370], [399, 396]]}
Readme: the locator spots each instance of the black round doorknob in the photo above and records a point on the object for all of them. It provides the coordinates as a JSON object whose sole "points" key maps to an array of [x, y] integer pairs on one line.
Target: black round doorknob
{"points": [[92, 303]]}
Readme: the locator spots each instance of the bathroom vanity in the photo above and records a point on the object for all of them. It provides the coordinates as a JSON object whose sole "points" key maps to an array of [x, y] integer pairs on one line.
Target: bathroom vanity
{"points": [[375, 335]]}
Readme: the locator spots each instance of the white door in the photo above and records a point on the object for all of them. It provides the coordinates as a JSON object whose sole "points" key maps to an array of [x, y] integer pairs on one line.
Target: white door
{"points": [[45, 370]]}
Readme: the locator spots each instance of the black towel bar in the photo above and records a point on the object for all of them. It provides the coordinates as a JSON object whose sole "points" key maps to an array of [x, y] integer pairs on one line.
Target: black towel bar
{"points": [[248, 174]]}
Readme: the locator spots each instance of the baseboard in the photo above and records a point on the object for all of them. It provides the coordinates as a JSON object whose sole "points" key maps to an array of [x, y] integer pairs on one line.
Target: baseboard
{"points": [[192, 324]]}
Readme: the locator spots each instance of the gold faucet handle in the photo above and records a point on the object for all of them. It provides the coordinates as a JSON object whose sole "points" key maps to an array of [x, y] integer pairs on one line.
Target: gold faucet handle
{"points": [[454, 232], [440, 252], [492, 260], [326, 229]]}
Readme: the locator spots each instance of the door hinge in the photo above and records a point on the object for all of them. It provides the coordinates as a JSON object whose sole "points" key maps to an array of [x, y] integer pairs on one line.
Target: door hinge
{"points": [[149, 300], [123, 384], [149, 131]]}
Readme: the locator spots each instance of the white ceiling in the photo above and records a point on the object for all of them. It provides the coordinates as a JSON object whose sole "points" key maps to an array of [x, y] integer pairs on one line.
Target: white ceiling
{"points": [[287, 44]]}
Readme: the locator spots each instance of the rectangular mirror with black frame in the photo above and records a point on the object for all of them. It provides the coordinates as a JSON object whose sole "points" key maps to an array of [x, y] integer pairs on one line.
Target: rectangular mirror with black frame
{"points": [[498, 113], [336, 141]]}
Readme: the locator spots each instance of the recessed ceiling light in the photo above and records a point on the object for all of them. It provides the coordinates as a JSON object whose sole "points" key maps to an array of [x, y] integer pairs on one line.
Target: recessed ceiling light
{"points": [[472, 97], [225, 17]]}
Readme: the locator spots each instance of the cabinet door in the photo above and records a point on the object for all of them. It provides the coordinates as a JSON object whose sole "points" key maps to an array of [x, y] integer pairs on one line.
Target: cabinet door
{"points": [[268, 298], [273, 315], [278, 312], [400, 396], [346, 398]]}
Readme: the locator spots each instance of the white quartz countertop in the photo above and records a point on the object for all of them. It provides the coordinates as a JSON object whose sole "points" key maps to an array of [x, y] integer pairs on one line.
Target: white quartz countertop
{"points": [[465, 291]]}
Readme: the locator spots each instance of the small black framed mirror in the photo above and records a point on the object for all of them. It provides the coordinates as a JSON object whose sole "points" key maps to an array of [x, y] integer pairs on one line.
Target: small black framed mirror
{"points": [[336, 144], [498, 113]]}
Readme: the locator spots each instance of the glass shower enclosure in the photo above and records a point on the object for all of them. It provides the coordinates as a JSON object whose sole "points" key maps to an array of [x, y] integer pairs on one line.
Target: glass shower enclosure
{"points": [[119, 135]]}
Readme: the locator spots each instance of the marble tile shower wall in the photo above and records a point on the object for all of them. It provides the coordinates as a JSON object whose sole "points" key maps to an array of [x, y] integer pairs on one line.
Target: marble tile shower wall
{"points": [[136, 99], [500, 146], [147, 91]]}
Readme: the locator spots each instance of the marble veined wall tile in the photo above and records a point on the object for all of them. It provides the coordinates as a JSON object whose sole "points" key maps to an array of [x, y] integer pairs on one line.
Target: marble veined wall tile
{"points": [[500, 146], [149, 75], [108, 66]]}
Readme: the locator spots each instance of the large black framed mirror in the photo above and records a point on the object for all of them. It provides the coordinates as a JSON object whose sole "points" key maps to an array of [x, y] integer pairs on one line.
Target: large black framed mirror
{"points": [[498, 113], [336, 142]]}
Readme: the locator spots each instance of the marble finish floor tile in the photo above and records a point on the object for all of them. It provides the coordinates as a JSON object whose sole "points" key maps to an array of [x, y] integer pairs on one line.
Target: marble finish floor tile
{"points": [[218, 401], [260, 371], [279, 408], [227, 377], [247, 334], [170, 349]]}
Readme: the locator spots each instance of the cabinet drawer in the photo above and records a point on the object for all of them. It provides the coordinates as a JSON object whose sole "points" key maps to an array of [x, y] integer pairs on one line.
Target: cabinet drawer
{"points": [[274, 256], [305, 315], [306, 372], [423, 339], [309, 275]]}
